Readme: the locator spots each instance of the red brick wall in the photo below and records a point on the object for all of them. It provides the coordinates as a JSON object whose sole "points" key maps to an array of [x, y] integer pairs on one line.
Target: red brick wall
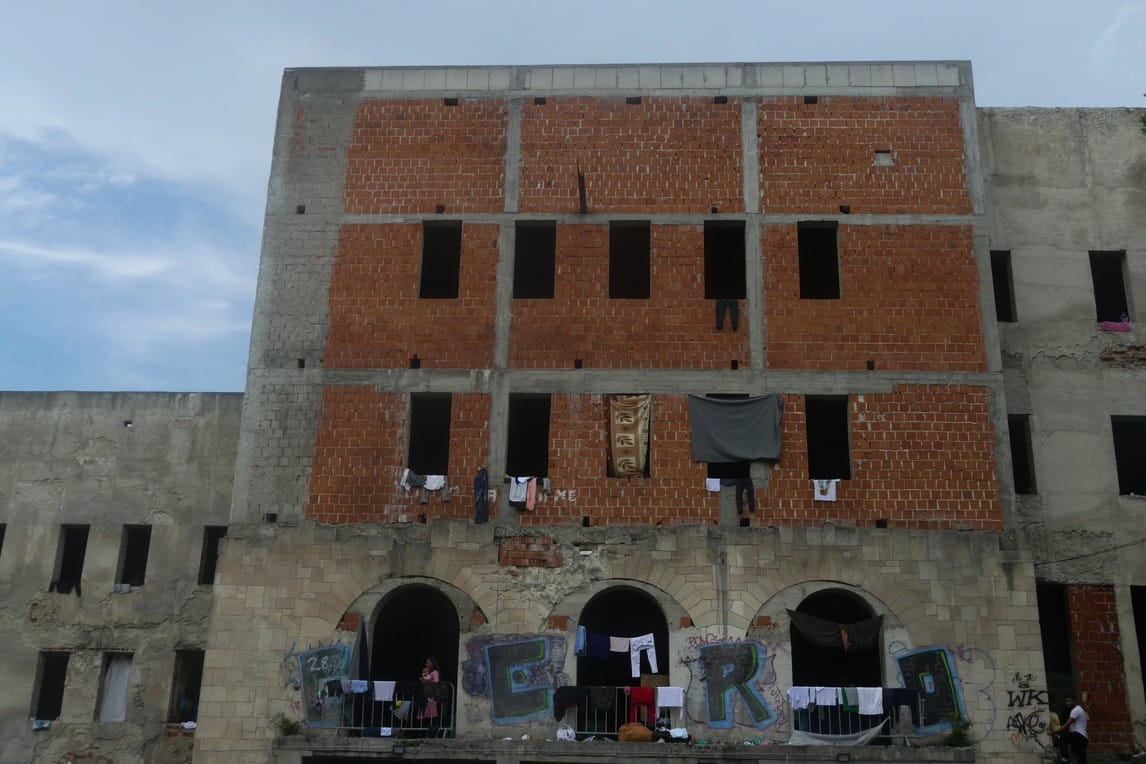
{"points": [[662, 155], [922, 457], [529, 552], [673, 329], [815, 157], [909, 299], [360, 452], [414, 154], [1098, 666], [377, 319]]}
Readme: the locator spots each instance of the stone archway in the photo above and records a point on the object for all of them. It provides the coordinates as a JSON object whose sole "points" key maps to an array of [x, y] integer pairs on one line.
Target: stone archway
{"points": [[623, 611], [835, 665]]}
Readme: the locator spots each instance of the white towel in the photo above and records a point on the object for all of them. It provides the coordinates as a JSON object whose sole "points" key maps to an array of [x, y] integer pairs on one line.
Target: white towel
{"points": [[618, 644], [824, 490], [712, 484], [517, 488], [799, 697], [670, 697], [827, 696], [434, 482], [384, 690], [870, 700]]}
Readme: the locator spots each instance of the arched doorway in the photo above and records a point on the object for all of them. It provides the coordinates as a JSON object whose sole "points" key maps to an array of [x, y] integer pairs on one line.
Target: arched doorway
{"points": [[413, 623], [820, 662], [622, 611]]}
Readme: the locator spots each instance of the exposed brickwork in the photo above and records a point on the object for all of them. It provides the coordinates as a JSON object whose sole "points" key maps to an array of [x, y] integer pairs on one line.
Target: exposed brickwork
{"points": [[414, 154], [1129, 357], [815, 157], [922, 457], [909, 299], [360, 452], [673, 329], [377, 319], [350, 621], [529, 552], [1098, 666], [661, 155], [558, 622]]}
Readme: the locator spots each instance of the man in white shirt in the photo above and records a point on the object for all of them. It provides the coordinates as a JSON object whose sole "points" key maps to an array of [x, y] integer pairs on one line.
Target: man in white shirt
{"points": [[1075, 729]]}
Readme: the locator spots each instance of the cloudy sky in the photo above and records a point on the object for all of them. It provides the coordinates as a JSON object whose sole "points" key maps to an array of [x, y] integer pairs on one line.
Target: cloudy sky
{"points": [[135, 137]]}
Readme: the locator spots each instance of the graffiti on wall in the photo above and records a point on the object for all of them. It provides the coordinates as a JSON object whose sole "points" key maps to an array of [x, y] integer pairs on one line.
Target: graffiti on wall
{"points": [[317, 673], [734, 679], [518, 674], [1026, 704]]}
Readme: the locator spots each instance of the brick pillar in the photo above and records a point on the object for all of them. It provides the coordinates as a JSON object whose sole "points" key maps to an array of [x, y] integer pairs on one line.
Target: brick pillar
{"points": [[1098, 667]]}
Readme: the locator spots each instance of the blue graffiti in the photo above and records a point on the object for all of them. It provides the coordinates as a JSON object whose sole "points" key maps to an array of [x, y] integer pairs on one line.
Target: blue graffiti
{"points": [[518, 673], [737, 670]]}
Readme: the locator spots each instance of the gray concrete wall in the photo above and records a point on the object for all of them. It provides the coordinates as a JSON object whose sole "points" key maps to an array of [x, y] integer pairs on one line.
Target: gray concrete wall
{"points": [[1063, 182], [71, 458]]}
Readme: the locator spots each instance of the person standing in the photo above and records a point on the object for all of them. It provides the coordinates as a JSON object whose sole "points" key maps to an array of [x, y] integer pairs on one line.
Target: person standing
{"points": [[431, 676], [1075, 729]]}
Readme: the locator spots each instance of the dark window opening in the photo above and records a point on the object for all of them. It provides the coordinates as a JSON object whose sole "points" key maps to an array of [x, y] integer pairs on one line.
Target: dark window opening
{"points": [[51, 675], [1022, 455], [209, 556], [70, 560], [826, 427], [1138, 604], [1003, 281], [133, 553], [819, 261], [1130, 453], [724, 275], [823, 666], [3, 528], [1054, 626], [534, 260], [622, 612], [186, 682], [429, 452], [527, 447], [1107, 271], [441, 260], [629, 260]]}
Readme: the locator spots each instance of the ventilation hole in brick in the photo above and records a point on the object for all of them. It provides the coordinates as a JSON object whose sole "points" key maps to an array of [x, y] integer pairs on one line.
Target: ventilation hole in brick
{"points": [[881, 522], [440, 209], [127, 423], [715, 209], [302, 363], [744, 522], [578, 363], [271, 517], [539, 102], [845, 209], [415, 362], [585, 521], [300, 209], [633, 100], [871, 365], [735, 364], [811, 99], [450, 101], [720, 100], [422, 518], [883, 158]]}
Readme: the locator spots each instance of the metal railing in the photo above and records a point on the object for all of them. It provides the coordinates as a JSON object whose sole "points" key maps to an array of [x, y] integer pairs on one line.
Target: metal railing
{"points": [[414, 710], [900, 716], [598, 712]]}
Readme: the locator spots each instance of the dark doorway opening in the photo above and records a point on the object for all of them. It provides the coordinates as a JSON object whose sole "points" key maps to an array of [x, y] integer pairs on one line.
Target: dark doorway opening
{"points": [[1107, 271], [414, 623], [819, 260], [1138, 603], [527, 442], [817, 666], [724, 273], [1054, 627], [429, 452], [622, 611]]}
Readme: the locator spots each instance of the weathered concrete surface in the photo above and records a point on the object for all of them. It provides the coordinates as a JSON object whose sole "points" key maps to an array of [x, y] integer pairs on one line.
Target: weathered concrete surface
{"points": [[1062, 183], [71, 458]]}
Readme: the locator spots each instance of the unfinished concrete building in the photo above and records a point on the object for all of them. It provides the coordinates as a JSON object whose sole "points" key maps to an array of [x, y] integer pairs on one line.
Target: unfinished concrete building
{"points": [[821, 376]]}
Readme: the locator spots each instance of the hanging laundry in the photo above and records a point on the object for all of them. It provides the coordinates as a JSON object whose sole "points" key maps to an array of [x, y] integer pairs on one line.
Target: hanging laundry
{"points": [[824, 490], [531, 494], [619, 644], [629, 433], [642, 644], [670, 697], [384, 690], [518, 490], [481, 497], [712, 484], [735, 430]]}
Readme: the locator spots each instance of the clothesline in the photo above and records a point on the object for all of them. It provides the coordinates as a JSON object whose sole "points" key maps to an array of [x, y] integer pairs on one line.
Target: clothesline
{"points": [[593, 645]]}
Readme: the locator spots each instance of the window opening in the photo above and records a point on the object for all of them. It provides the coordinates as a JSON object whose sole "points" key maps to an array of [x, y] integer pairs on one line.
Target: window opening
{"points": [[1138, 603], [429, 450], [441, 259], [209, 556], [1130, 454], [622, 611], [1054, 627], [629, 260], [534, 259], [818, 244], [826, 427], [1022, 455], [185, 685], [133, 554], [527, 449], [1107, 273], [114, 679], [3, 528], [51, 675], [70, 561], [724, 275], [1004, 284], [834, 666]]}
